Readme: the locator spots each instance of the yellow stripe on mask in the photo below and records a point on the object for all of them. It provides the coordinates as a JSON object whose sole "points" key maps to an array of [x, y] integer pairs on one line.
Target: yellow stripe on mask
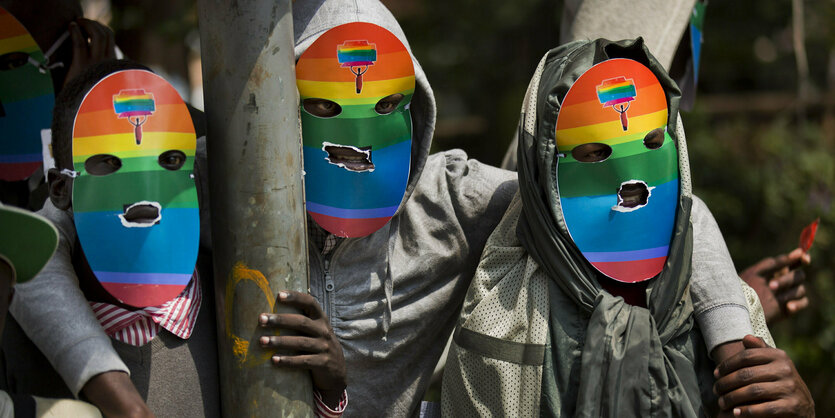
{"points": [[23, 43], [153, 143], [611, 133], [335, 90]]}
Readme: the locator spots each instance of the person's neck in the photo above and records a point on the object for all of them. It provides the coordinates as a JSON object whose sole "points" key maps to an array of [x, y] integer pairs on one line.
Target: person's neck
{"points": [[632, 293]]}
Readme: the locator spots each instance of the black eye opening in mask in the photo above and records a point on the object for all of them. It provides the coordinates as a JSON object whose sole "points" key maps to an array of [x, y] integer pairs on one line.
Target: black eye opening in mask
{"points": [[593, 152], [12, 60], [387, 104], [322, 108], [172, 159], [654, 139], [102, 164]]}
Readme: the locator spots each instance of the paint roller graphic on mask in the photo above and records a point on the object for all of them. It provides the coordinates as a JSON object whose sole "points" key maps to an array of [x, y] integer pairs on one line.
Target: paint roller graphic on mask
{"points": [[134, 104], [357, 54], [617, 92]]}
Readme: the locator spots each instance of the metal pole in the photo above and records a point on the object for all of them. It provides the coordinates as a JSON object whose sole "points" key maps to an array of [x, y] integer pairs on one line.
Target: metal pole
{"points": [[258, 217]]}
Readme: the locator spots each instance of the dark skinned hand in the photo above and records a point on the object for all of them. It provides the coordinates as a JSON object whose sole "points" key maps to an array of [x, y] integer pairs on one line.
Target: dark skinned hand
{"points": [[778, 282], [92, 42], [761, 382], [114, 394], [317, 347]]}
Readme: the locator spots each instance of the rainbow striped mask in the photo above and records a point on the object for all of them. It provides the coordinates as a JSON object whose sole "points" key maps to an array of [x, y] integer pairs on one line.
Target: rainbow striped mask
{"points": [[356, 83], [135, 200], [26, 100], [617, 169]]}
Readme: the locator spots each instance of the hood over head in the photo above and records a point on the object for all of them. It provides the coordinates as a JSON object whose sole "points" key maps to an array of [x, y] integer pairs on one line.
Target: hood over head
{"points": [[313, 18], [613, 326]]}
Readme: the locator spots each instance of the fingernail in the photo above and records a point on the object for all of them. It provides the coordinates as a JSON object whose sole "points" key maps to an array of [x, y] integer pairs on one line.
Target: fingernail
{"points": [[716, 372], [276, 359], [721, 403], [737, 412], [773, 285], [263, 319], [265, 340], [283, 295]]}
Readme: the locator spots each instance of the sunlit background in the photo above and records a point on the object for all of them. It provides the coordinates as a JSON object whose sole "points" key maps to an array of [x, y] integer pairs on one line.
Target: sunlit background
{"points": [[761, 136]]}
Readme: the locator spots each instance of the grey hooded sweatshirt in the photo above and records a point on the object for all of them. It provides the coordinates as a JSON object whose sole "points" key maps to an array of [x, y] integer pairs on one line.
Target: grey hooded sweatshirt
{"points": [[392, 297]]}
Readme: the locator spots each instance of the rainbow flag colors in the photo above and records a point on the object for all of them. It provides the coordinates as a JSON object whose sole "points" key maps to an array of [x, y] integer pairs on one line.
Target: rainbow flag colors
{"points": [[136, 104], [626, 244], [344, 202], [139, 265], [133, 103], [26, 100], [356, 53], [616, 91]]}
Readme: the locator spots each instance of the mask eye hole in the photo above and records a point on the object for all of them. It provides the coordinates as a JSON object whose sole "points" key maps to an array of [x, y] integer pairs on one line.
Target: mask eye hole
{"points": [[13, 60], [322, 108], [593, 152], [387, 104], [172, 159], [102, 164], [654, 139]]}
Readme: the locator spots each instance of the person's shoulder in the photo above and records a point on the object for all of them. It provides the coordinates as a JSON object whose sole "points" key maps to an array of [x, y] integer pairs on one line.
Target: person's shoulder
{"points": [[475, 190], [62, 220], [455, 163]]}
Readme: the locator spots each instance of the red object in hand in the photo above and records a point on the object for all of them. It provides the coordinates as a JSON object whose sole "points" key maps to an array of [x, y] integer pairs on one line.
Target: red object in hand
{"points": [[807, 236]]}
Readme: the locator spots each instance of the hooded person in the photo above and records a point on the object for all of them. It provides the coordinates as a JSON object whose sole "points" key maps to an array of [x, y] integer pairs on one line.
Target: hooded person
{"points": [[388, 270], [394, 233], [581, 303]]}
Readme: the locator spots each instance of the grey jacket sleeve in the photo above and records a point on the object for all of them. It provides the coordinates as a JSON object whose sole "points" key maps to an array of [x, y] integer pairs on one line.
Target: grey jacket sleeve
{"points": [[55, 315], [719, 304]]}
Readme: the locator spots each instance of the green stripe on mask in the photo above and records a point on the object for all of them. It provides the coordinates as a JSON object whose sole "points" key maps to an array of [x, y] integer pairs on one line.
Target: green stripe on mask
{"points": [[141, 164], [377, 132], [622, 150], [25, 82], [172, 189], [596, 179]]}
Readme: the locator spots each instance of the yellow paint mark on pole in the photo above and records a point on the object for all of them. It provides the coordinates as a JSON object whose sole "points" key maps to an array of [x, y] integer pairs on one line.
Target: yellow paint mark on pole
{"points": [[241, 347]]}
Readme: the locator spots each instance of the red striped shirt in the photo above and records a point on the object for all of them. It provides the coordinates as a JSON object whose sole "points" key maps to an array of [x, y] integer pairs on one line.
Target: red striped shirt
{"points": [[324, 411], [139, 327]]}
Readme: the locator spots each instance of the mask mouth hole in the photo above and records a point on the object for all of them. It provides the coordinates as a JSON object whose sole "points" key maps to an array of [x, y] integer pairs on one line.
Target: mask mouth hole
{"points": [[141, 214], [349, 157], [633, 194]]}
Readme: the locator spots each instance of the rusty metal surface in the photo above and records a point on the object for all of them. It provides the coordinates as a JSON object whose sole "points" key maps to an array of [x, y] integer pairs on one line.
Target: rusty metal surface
{"points": [[257, 202]]}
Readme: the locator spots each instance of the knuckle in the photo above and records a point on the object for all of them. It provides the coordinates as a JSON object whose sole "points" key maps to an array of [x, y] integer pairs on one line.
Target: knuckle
{"points": [[772, 410], [275, 320], [756, 390], [745, 355], [784, 370], [745, 375]]}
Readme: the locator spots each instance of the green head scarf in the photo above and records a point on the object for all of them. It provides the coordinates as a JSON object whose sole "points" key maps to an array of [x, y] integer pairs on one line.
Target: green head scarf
{"points": [[632, 361]]}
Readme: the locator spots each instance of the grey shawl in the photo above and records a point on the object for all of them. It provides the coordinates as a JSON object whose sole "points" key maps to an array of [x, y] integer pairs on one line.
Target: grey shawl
{"points": [[629, 366]]}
